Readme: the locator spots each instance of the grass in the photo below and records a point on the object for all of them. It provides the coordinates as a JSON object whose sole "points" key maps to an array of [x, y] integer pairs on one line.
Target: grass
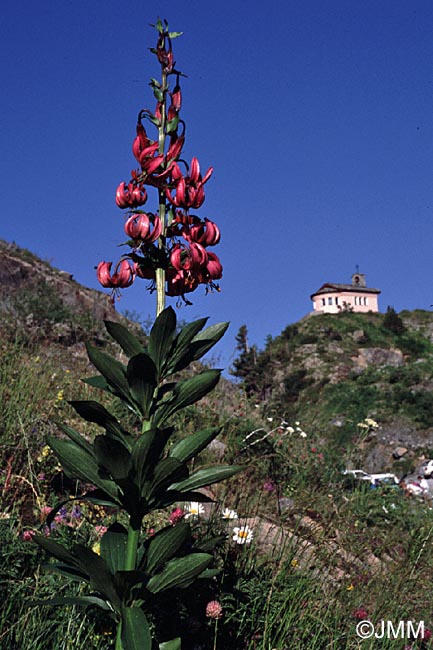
{"points": [[336, 550]]}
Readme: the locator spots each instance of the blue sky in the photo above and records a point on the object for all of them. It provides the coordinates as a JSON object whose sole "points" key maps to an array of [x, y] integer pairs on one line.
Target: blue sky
{"points": [[317, 118]]}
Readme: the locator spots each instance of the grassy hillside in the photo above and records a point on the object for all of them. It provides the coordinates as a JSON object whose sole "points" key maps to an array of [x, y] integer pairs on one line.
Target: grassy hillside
{"points": [[324, 553]]}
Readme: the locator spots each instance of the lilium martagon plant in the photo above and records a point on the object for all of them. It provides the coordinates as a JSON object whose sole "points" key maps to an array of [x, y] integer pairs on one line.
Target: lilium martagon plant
{"points": [[138, 473]]}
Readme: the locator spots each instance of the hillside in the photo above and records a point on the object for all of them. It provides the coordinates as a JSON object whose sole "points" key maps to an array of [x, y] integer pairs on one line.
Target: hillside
{"points": [[324, 551], [333, 371]]}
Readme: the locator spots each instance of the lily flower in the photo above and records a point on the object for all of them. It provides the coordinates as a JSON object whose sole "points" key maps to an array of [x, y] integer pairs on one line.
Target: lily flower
{"points": [[139, 226], [130, 196], [214, 267], [122, 277], [206, 234], [184, 258], [189, 192]]}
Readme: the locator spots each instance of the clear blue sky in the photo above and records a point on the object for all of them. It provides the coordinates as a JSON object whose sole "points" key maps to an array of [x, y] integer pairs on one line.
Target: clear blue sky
{"points": [[317, 117]]}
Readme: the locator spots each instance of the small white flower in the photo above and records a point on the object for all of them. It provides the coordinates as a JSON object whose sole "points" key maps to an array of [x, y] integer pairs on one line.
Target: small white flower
{"points": [[229, 514], [193, 509], [303, 434], [242, 534], [257, 406], [290, 430], [297, 424], [269, 419]]}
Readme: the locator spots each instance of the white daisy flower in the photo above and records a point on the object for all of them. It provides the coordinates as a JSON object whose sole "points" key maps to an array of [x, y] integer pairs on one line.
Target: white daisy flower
{"points": [[242, 534], [229, 514], [193, 509], [303, 434]]}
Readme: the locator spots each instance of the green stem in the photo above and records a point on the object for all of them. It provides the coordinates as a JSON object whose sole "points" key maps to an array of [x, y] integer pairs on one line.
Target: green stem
{"points": [[118, 645], [160, 272]]}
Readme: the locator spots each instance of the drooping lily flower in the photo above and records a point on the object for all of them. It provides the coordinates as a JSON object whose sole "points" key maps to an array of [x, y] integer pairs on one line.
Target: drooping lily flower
{"points": [[189, 192], [139, 226], [205, 233], [188, 258], [122, 277], [144, 269], [130, 196], [214, 267], [180, 282]]}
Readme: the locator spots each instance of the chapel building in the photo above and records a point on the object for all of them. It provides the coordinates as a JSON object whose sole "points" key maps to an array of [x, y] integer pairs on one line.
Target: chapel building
{"points": [[332, 298]]}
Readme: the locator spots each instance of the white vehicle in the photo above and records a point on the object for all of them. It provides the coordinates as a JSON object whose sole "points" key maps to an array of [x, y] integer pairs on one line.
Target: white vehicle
{"points": [[373, 479], [427, 469]]}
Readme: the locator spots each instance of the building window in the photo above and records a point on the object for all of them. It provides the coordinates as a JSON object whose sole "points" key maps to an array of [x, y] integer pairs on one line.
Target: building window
{"points": [[323, 301], [329, 301], [336, 300], [356, 300], [366, 301]]}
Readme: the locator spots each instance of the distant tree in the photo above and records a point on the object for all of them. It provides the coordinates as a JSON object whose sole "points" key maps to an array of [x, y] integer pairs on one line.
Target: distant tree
{"points": [[245, 365], [393, 322]]}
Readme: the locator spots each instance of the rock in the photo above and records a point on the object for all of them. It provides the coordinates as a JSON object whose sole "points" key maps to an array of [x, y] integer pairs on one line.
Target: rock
{"points": [[218, 448], [378, 357], [399, 452]]}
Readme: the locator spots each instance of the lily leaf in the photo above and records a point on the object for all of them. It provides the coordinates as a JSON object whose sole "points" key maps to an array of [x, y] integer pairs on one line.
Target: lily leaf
{"points": [[127, 341], [135, 630], [80, 464], [100, 577], [179, 572], [207, 476], [87, 601], [161, 337], [187, 392], [180, 354], [173, 644], [164, 474], [142, 380], [113, 547], [113, 371], [164, 545], [76, 437], [92, 411], [192, 445], [111, 455]]}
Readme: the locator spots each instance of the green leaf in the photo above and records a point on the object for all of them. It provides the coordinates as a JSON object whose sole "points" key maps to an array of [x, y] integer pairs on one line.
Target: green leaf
{"points": [[164, 474], [179, 572], [206, 339], [142, 380], [87, 601], [71, 574], [111, 455], [80, 464], [161, 337], [100, 577], [172, 124], [187, 392], [209, 545], [145, 454], [127, 341], [174, 644], [112, 370], [158, 94], [164, 545], [174, 35], [94, 412], [181, 355], [192, 445], [135, 630], [55, 549], [113, 547], [208, 476], [97, 381], [76, 437]]}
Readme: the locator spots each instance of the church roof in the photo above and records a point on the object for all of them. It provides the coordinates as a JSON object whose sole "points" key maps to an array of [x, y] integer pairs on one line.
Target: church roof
{"points": [[332, 287]]}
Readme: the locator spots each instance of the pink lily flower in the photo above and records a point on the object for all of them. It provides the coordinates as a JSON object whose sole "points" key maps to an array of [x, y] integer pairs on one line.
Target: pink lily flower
{"points": [[184, 258], [130, 196], [206, 234], [122, 277], [189, 192], [139, 226]]}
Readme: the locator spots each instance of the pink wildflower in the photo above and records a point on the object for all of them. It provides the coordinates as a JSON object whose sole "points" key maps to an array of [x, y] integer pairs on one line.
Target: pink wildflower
{"points": [[100, 530], [214, 609], [28, 535], [360, 613], [176, 515]]}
